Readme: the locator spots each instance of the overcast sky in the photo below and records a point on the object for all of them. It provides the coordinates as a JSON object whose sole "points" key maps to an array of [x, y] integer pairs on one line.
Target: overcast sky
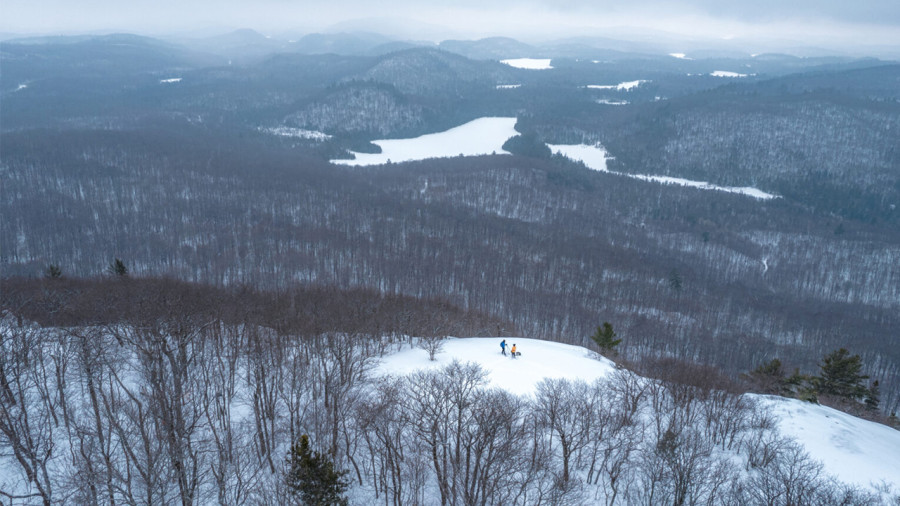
{"points": [[812, 22]]}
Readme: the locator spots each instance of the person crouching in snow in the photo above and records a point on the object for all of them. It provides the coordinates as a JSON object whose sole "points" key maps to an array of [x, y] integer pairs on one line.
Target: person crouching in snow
{"points": [[503, 347], [513, 351]]}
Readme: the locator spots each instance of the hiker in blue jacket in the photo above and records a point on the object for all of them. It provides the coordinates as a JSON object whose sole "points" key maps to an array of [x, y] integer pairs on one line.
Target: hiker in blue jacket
{"points": [[503, 347]]}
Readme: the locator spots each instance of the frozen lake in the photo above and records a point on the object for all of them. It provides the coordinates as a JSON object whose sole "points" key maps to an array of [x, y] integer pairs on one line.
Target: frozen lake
{"points": [[483, 136], [594, 157]]}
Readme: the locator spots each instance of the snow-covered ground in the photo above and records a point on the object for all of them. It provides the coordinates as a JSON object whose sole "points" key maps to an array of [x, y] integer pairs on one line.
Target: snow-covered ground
{"points": [[624, 86], [856, 451], [727, 73], [680, 56], [605, 101], [508, 86], [170, 80], [299, 133], [482, 136], [539, 360], [529, 63], [594, 157]]}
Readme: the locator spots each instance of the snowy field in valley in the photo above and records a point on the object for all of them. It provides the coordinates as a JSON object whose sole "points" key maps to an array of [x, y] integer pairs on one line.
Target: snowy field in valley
{"points": [[624, 86], [856, 451], [529, 63], [299, 133], [727, 73], [594, 157], [482, 136]]}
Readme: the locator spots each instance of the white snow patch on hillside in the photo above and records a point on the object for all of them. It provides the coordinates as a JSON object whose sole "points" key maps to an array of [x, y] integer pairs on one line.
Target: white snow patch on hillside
{"points": [[539, 360], [628, 85], [726, 73], [857, 451], [21, 87], [529, 63], [594, 157], [606, 101], [680, 56], [508, 86], [624, 86], [299, 133], [482, 136], [170, 80]]}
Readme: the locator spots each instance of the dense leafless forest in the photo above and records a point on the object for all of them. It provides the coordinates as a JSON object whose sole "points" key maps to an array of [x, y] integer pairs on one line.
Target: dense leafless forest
{"points": [[160, 392], [211, 169]]}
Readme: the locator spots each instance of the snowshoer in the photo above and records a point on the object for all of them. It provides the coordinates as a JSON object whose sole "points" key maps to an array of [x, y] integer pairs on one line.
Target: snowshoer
{"points": [[513, 351], [503, 347]]}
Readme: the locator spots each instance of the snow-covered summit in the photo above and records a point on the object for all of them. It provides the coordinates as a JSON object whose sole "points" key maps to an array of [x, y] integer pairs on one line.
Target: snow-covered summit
{"points": [[539, 360]]}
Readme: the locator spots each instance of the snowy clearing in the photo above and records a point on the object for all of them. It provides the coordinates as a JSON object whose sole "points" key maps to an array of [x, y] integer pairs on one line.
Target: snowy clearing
{"points": [[508, 86], [625, 86], [170, 80], [482, 136], [680, 56], [299, 133], [529, 63], [539, 360], [726, 73], [855, 450], [605, 101], [594, 157]]}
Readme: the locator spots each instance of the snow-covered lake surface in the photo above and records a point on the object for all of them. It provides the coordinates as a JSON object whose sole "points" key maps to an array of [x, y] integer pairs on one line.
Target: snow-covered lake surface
{"points": [[594, 157], [854, 450], [529, 63], [482, 136], [727, 73]]}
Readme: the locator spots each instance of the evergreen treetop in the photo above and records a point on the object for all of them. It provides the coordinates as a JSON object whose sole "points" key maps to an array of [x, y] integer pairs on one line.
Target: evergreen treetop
{"points": [[841, 375], [605, 338], [312, 477]]}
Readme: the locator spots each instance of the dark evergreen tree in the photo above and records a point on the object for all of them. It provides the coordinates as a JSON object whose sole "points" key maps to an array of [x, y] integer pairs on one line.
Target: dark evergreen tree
{"points": [[675, 280], [841, 375], [872, 401], [605, 338], [312, 476], [769, 378], [117, 267], [53, 272]]}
